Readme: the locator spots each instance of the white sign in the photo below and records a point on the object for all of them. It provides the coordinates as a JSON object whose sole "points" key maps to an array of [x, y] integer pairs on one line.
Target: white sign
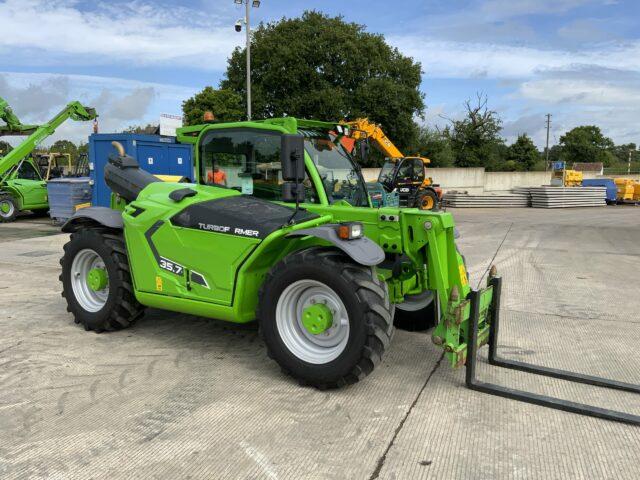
{"points": [[169, 123]]}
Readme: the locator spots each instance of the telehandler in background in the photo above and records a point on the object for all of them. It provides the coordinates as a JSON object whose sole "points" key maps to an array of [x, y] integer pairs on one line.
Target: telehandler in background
{"points": [[404, 175], [290, 240], [22, 186]]}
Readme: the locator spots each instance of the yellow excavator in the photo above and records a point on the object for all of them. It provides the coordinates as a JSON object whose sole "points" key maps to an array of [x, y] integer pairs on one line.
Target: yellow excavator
{"points": [[404, 175]]}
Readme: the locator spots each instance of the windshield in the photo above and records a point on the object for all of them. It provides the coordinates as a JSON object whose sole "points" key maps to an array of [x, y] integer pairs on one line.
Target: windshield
{"points": [[340, 176], [386, 173]]}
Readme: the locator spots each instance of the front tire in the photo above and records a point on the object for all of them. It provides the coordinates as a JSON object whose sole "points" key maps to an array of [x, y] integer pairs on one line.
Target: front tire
{"points": [[96, 281], [8, 208], [358, 314]]}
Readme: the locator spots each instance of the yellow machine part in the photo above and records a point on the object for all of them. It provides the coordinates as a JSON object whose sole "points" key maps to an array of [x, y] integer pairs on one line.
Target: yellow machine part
{"points": [[627, 189], [572, 178], [170, 178]]}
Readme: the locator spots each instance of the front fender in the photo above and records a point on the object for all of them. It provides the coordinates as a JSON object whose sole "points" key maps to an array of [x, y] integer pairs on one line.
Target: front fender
{"points": [[361, 250]]}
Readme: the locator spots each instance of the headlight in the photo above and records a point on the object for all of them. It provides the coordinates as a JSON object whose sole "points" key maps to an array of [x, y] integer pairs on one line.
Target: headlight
{"points": [[350, 231]]}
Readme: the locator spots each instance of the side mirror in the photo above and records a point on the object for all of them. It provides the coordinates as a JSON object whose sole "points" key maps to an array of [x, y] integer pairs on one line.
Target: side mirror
{"points": [[292, 162], [292, 158]]}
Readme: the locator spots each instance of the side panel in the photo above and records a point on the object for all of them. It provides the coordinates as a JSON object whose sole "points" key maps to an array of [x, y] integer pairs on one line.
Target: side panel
{"points": [[214, 257], [152, 158], [180, 163]]}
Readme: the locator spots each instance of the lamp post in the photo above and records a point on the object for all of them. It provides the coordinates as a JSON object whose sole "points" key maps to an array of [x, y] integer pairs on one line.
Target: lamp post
{"points": [[254, 4]]}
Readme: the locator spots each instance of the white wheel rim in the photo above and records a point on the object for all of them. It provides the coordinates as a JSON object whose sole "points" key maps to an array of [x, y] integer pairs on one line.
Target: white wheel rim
{"points": [[316, 349], [90, 300], [9, 211]]}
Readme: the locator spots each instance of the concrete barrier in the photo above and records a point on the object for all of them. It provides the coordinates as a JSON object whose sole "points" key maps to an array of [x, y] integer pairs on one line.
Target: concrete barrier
{"points": [[476, 180], [464, 179], [505, 181]]}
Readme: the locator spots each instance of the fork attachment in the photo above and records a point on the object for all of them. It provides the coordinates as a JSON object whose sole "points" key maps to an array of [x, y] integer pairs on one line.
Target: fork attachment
{"points": [[521, 395]]}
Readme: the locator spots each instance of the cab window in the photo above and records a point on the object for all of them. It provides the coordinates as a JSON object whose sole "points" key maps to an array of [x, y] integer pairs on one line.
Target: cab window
{"points": [[247, 161], [418, 170], [27, 172], [405, 172]]}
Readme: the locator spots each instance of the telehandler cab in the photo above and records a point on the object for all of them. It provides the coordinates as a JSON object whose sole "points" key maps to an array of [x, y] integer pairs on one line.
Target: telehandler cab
{"points": [[278, 228]]}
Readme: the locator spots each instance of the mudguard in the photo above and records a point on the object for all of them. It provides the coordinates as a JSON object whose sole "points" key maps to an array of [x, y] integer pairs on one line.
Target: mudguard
{"points": [[361, 250], [101, 215]]}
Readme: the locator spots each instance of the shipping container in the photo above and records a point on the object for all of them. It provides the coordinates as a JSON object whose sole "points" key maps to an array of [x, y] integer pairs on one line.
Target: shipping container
{"points": [[155, 153]]}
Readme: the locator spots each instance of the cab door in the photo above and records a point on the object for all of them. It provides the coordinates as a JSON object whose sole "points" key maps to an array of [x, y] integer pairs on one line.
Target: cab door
{"points": [[31, 186]]}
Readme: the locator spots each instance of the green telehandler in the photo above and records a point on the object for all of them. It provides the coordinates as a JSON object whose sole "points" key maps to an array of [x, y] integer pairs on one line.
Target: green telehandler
{"points": [[22, 186], [278, 228]]}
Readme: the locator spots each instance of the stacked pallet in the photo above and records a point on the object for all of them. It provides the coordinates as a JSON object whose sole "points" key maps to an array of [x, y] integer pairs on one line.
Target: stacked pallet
{"points": [[565, 197], [485, 200]]}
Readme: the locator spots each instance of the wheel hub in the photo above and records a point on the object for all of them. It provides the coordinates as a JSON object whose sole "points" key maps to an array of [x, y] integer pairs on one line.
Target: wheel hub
{"points": [[89, 280], [97, 279], [317, 318], [312, 321], [6, 207]]}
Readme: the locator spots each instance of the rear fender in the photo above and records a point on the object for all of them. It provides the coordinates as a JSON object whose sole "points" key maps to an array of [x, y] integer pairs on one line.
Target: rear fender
{"points": [[94, 216]]}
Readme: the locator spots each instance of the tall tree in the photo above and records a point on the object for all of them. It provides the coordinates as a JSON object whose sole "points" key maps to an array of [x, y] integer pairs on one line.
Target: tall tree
{"points": [[435, 145], [586, 144], [322, 67], [522, 154], [225, 104], [475, 139]]}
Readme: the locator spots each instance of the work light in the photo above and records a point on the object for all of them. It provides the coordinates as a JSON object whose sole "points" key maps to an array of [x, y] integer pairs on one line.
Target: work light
{"points": [[350, 230]]}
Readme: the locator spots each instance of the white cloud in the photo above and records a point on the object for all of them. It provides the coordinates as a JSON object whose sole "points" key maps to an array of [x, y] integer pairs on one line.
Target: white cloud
{"points": [[119, 102], [134, 105], [514, 8], [48, 32], [581, 92], [446, 59], [32, 98]]}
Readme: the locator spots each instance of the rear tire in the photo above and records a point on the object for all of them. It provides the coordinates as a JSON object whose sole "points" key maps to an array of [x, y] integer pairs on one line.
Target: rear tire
{"points": [[361, 326], [8, 208], [112, 308]]}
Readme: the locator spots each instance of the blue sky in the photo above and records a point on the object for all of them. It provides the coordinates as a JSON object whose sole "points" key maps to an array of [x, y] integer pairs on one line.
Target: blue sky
{"points": [[576, 59]]}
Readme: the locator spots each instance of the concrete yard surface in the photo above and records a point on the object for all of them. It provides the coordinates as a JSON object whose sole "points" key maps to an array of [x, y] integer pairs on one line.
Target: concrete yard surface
{"points": [[178, 397]]}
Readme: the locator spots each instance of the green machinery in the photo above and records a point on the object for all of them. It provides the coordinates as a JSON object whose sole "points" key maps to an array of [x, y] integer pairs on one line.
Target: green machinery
{"points": [[22, 186], [278, 229]]}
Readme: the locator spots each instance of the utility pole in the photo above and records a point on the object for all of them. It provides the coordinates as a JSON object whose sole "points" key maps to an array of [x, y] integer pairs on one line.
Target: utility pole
{"points": [[248, 62], [546, 149], [629, 163], [247, 23]]}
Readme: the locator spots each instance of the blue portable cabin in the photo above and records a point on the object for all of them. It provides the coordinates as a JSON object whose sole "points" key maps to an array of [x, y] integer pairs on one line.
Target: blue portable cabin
{"points": [[612, 189], [155, 153]]}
